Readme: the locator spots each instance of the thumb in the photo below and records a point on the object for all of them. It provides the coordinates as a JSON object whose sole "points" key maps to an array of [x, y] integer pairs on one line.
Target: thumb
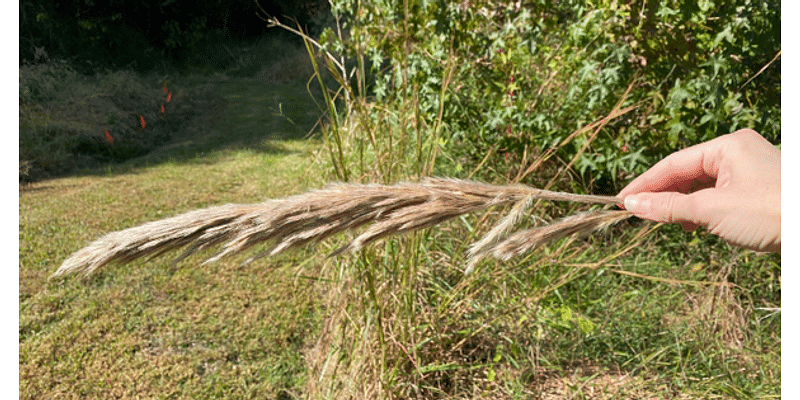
{"points": [[669, 207]]}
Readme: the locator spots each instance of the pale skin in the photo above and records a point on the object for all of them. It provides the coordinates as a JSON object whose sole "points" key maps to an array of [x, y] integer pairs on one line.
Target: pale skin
{"points": [[730, 185]]}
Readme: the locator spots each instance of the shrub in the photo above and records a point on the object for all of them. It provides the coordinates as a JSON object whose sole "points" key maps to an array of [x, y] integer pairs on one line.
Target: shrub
{"points": [[524, 77]]}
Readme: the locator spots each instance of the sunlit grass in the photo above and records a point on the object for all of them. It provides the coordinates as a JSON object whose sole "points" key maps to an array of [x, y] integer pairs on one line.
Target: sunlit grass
{"points": [[159, 328]]}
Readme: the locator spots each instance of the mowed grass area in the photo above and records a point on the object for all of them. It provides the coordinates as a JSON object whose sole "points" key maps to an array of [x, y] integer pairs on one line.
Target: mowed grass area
{"points": [[157, 330], [617, 315]]}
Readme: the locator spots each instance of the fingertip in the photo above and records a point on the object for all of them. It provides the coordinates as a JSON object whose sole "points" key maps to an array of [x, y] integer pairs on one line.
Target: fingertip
{"points": [[637, 204], [668, 207]]}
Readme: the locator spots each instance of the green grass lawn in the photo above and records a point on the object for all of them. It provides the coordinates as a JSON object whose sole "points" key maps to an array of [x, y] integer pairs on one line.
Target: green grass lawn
{"points": [[622, 316], [154, 330]]}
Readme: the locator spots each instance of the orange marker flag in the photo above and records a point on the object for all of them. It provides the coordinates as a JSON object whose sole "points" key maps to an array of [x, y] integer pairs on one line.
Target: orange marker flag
{"points": [[141, 121], [162, 109], [109, 139], [165, 87], [169, 97]]}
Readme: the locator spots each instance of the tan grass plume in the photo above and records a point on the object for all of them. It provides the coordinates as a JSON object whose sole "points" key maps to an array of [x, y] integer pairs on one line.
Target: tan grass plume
{"points": [[302, 219]]}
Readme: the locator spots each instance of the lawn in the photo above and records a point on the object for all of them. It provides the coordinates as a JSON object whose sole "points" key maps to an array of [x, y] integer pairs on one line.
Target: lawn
{"points": [[158, 330]]}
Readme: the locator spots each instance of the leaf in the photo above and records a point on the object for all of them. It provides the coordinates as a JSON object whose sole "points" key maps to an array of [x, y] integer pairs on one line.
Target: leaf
{"points": [[726, 35], [491, 374], [706, 118], [566, 313], [586, 325], [675, 129], [716, 62], [678, 94], [705, 5]]}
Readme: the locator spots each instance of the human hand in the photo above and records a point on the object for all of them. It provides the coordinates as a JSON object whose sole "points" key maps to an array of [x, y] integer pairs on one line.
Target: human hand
{"points": [[730, 185]]}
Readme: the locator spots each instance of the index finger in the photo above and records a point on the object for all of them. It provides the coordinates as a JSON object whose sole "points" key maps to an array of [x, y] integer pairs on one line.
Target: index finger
{"points": [[689, 169]]}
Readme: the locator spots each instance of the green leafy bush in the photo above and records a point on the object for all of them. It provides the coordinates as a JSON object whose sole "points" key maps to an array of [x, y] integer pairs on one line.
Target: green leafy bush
{"points": [[526, 79]]}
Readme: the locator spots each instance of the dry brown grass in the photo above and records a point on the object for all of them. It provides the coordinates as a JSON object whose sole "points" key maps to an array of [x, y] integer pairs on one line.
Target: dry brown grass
{"points": [[299, 220]]}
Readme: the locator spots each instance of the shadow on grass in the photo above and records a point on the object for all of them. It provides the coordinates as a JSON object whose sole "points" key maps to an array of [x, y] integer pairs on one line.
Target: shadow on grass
{"points": [[243, 115], [236, 114]]}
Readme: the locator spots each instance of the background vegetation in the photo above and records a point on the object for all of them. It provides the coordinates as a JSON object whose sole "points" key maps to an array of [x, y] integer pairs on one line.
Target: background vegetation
{"points": [[521, 78], [555, 94]]}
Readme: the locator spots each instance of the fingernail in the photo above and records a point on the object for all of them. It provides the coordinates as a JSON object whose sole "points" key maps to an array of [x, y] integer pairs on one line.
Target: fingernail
{"points": [[635, 204]]}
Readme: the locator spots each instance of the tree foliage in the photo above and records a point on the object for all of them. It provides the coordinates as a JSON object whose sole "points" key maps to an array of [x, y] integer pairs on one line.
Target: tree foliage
{"points": [[137, 34]]}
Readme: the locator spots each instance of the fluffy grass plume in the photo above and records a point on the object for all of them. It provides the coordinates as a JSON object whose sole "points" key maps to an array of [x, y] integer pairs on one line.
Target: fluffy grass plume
{"points": [[299, 220]]}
